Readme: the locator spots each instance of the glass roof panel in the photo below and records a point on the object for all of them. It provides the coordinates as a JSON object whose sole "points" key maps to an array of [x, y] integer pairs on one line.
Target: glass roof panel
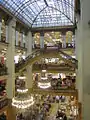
{"points": [[42, 13]]}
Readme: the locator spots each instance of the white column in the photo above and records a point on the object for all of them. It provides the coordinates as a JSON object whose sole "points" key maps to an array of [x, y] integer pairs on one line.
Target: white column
{"points": [[79, 54], [29, 81], [0, 27], [29, 42], [33, 42], [41, 40], [16, 33], [24, 40], [21, 39], [76, 43], [29, 68], [6, 33], [10, 86], [63, 41], [76, 54], [84, 59]]}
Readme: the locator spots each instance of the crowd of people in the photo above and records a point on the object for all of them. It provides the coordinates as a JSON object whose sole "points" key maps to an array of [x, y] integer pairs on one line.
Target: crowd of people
{"points": [[43, 107], [61, 115], [36, 112]]}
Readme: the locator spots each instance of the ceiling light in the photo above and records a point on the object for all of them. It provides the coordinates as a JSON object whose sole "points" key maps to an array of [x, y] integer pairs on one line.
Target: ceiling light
{"points": [[43, 70], [43, 78], [22, 91], [22, 100], [22, 103], [22, 77], [44, 85]]}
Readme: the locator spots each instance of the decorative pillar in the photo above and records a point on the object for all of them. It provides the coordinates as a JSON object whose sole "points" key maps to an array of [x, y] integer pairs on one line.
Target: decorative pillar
{"points": [[10, 86], [29, 80], [33, 42], [76, 54], [0, 27], [76, 43], [63, 41], [29, 68], [24, 40], [7, 33], [22, 45], [41, 40], [17, 37], [84, 59], [29, 43]]}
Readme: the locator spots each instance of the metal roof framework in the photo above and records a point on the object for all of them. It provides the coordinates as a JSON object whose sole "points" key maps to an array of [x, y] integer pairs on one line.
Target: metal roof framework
{"points": [[42, 13]]}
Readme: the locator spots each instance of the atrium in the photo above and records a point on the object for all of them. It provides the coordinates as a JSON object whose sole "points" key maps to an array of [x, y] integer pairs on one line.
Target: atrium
{"points": [[44, 59]]}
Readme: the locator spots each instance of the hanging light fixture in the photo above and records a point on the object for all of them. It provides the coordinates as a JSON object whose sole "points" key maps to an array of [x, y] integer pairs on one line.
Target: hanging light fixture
{"points": [[23, 100], [44, 83], [43, 70]]}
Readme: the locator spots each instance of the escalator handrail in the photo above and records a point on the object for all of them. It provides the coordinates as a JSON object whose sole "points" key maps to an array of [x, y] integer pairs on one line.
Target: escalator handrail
{"points": [[23, 62], [67, 55]]}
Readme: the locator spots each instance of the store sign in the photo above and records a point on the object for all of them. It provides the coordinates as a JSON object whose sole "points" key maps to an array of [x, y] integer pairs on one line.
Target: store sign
{"points": [[3, 103]]}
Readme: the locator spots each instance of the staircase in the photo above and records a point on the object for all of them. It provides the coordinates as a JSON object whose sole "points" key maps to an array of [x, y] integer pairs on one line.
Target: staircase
{"points": [[34, 56]]}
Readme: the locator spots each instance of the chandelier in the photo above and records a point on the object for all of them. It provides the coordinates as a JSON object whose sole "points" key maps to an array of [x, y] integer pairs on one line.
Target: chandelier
{"points": [[44, 83], [23, 100]]}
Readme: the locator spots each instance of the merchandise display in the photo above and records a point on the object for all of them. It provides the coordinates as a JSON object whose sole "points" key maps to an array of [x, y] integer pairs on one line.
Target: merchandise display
{"points": [[2, 88], [56, 82]]}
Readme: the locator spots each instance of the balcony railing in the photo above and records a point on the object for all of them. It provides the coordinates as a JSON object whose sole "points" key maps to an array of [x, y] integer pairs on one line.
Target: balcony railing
{"points": [[68, 45], [58, 67]]}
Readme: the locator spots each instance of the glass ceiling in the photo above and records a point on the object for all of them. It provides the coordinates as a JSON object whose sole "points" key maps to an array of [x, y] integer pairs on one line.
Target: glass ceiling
{"points": [[42, 13]]}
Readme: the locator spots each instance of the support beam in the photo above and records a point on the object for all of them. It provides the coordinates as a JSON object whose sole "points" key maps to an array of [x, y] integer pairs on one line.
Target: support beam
{"points": [[0, 27], [10, 87], [7, 34], [63, 41], [29, 68], [41, 40], [16, 36], [83, 56]]}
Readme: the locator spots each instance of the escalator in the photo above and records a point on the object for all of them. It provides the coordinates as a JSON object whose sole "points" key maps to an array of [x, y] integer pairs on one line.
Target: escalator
{"points": [[67, 56], [30, 59], [35, 56]]}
